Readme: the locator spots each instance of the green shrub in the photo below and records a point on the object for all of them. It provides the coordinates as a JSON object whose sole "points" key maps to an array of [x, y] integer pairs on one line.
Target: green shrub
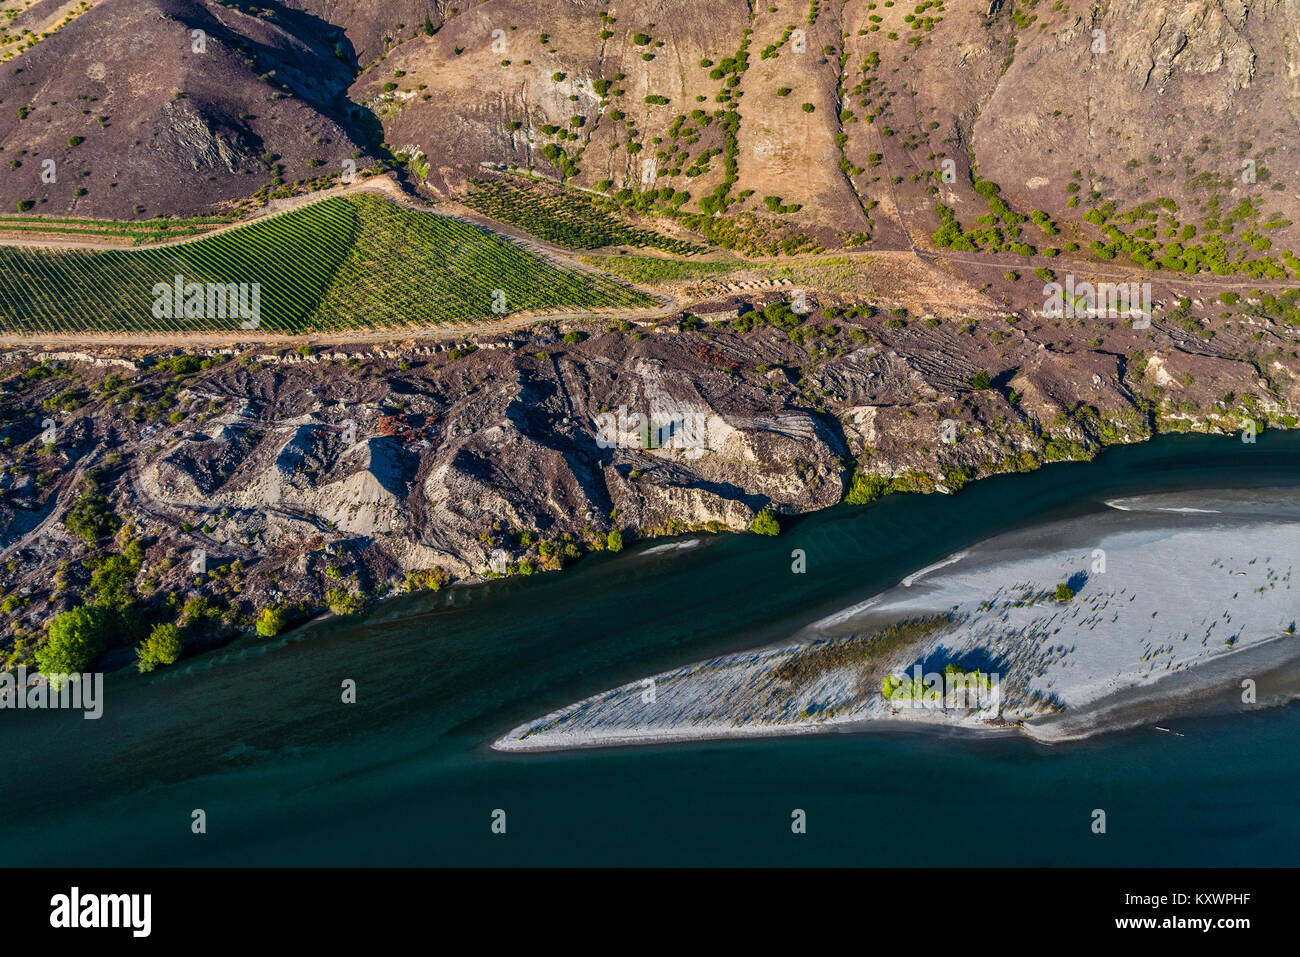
{"points": [[343, 602], [91, 518], [765, 523], [430, 579], [73, 640], [271, 621], [162, 647], [866, 488]]}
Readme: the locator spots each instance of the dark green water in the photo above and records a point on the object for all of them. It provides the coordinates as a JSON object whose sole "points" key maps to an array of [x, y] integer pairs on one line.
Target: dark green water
{"points": [[256, 734]]}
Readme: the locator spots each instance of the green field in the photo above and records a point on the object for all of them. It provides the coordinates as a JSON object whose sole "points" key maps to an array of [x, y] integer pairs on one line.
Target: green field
{"points": [[648, 271], [137, 231], [354, 263], [569, 219]]}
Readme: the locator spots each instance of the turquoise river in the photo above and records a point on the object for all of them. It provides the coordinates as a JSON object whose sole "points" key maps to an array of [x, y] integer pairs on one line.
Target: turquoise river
{"points": [[257, 736]]}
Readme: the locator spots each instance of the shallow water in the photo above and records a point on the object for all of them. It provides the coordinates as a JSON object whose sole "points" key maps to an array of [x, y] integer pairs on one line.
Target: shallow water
{"points": [[256, 734]]}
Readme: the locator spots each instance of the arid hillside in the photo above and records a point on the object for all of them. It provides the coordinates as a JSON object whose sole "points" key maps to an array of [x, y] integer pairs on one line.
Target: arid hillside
{"points": [[1092, 129], [831, 117], [139, 115]]}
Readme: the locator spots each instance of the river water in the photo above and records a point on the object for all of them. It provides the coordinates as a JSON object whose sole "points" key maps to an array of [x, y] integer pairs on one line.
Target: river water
{"points": [[258, 737]]}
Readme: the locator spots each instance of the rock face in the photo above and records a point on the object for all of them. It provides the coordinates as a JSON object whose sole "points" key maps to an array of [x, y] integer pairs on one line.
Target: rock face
{"points": [[352, 468]]}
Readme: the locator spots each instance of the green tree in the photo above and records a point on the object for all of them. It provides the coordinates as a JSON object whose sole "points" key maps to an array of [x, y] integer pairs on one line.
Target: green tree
{"points": [[430, 579], [91, 517], [200, 606], [113, 578], [1064, 592], [162, 647], [866, 488], [271, 621], [343, 602], [765, 523], [981, 381], [614, 541], [73, 639]]}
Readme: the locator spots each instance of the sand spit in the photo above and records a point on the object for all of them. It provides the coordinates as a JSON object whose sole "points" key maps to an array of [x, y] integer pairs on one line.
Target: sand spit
{"points": [[1180, 603]]}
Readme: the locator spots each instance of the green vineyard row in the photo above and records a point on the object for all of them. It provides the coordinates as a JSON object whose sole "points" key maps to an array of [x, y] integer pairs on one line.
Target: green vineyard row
{"points": [[345, 263]]}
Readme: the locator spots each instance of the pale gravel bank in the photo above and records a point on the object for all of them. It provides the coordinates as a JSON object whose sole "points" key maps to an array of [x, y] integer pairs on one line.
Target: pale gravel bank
{"points": [[1180, 599]]}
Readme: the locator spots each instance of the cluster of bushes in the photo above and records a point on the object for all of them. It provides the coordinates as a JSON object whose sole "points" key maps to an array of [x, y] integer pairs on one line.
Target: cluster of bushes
{"points": [[774, 205], [1002, 227], [866, 487], [429, 579], [91, 517], [903, 688], [780, 315]]}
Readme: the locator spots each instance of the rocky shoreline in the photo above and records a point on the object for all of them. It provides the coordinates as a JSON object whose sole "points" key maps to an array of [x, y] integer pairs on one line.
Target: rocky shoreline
{"points": [[295, 479]]}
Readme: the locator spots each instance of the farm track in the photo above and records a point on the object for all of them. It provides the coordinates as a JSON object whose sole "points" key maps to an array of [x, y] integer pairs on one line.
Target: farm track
{"points": [[241, 339], [276, 207]]}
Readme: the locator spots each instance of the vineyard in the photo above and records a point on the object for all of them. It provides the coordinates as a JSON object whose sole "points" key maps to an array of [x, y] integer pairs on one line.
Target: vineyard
{"points": [[141, 231], [645, 271], [354, 263], [567, 219], [424, 269]]}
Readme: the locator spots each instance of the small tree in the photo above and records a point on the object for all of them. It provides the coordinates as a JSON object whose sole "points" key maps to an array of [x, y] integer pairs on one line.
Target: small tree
{"points": [[343, 602], [162, 647], [981, 381], [866, 488], [271, 621], [431, 579], [765, 523], [72, 641], [91, 517], [614, 541], [1064, 592]]}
